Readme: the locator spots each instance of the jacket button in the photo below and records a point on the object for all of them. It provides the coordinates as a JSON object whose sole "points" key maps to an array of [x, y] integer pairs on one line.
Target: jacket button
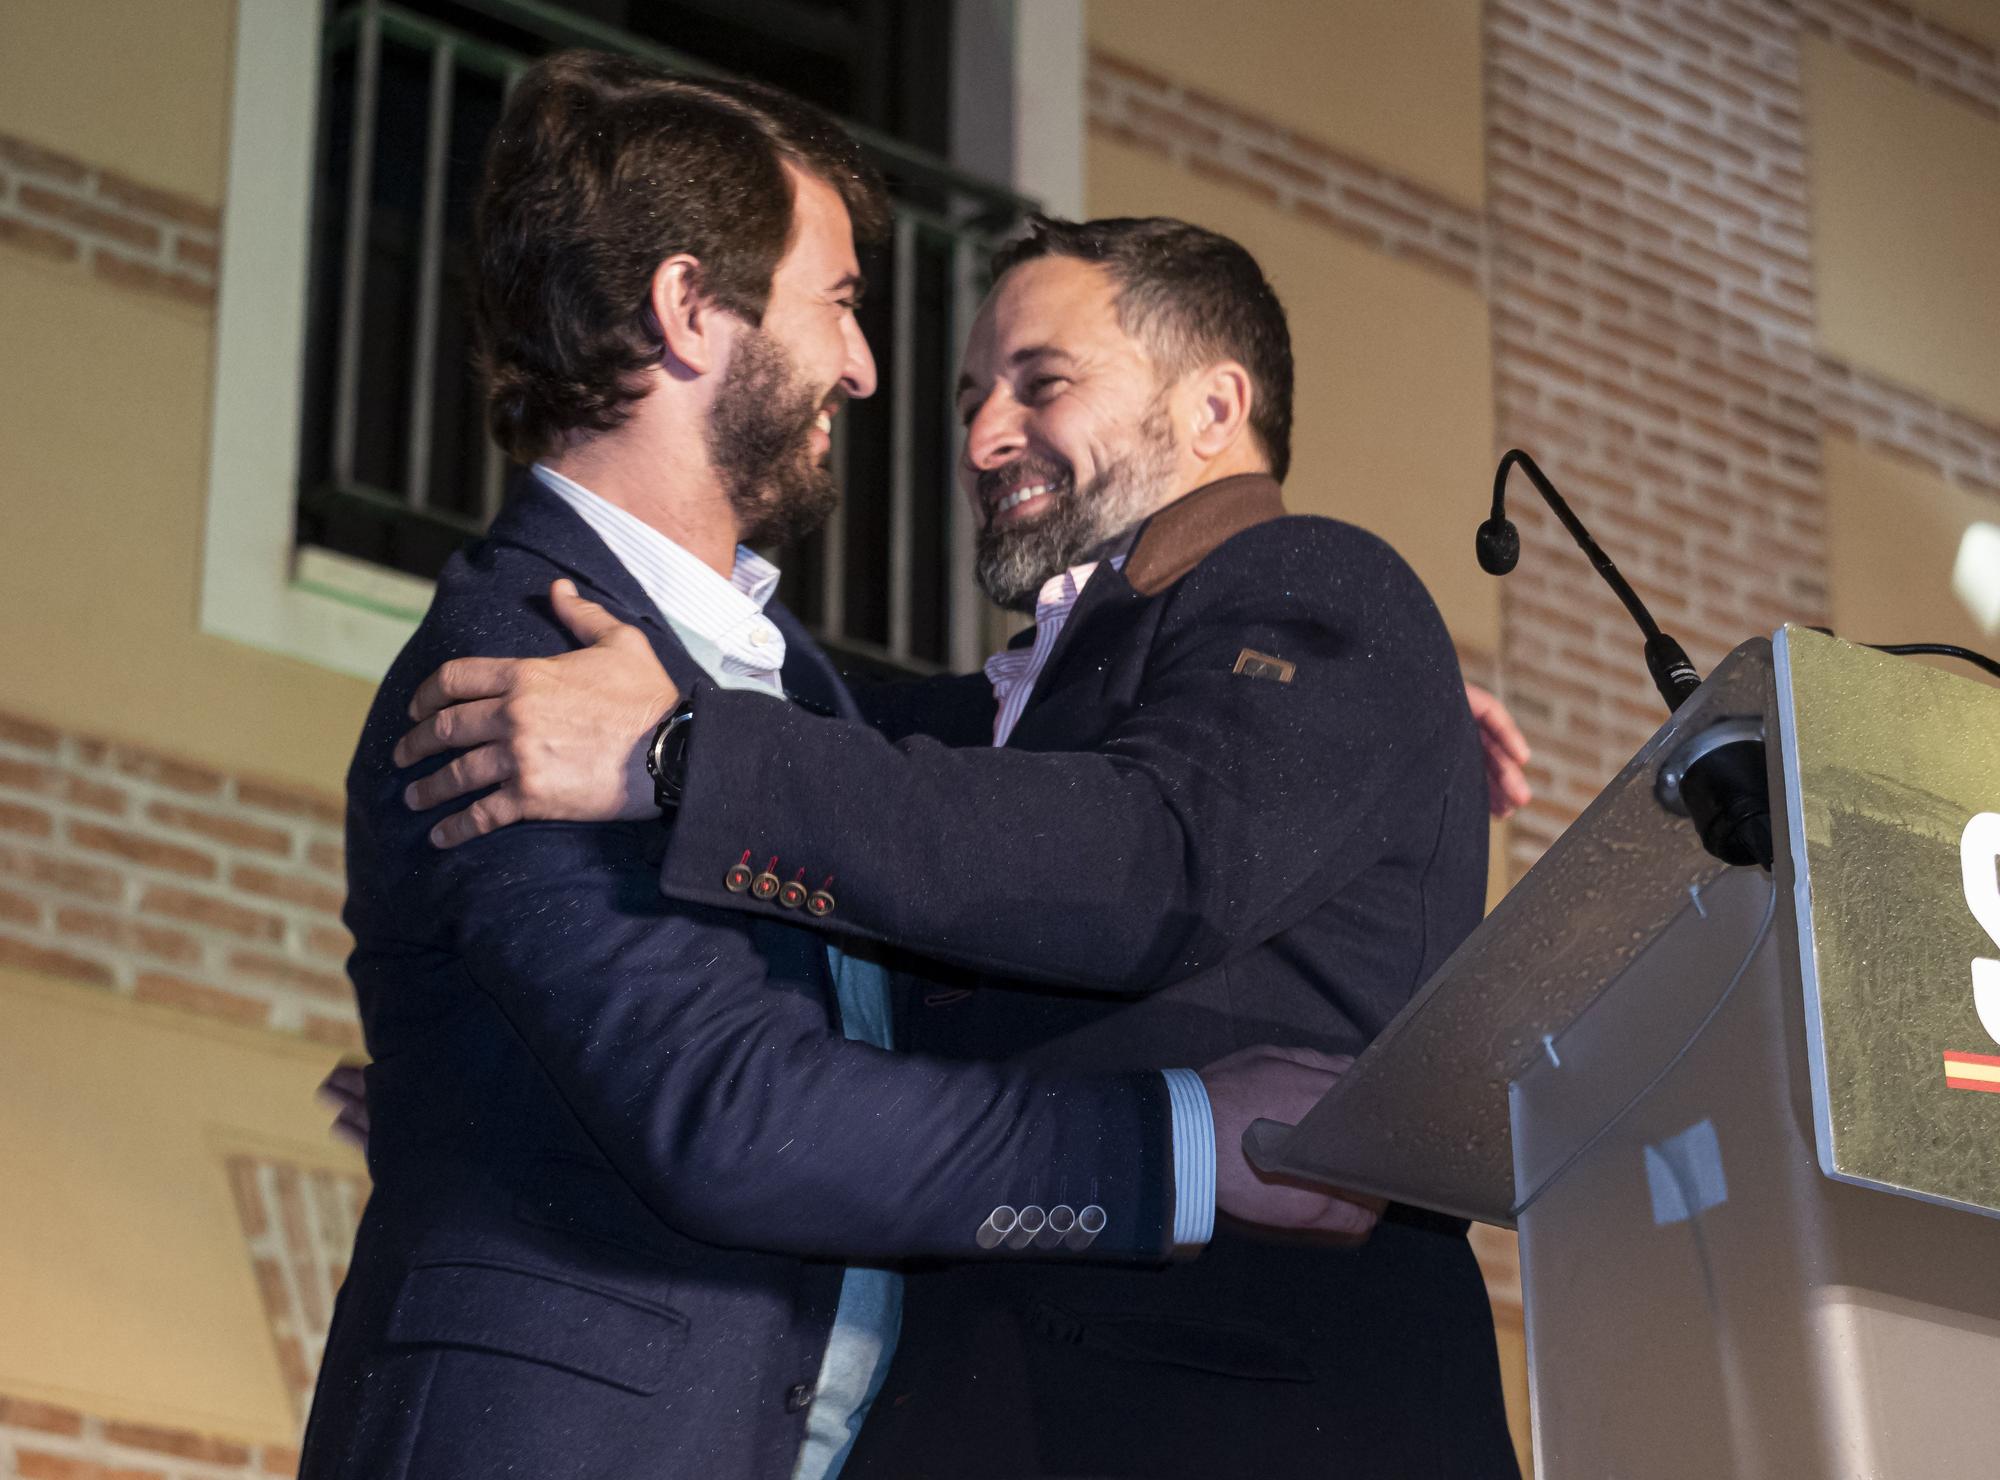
{"points": [[797, 1396], [764, 885], [791, 894], [819, 902], [737, 879]]}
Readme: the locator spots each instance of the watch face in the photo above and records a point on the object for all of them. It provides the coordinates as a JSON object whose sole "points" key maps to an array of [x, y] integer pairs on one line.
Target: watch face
{"points": [[674, 763], [666, 757]]}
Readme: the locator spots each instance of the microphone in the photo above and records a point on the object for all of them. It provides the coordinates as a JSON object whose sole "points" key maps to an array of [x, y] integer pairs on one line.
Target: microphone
{"points": [[1719, 779], [1498, 546]]}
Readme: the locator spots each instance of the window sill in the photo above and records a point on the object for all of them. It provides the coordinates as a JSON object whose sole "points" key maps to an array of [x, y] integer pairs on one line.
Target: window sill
{"points": [[329, 610]]}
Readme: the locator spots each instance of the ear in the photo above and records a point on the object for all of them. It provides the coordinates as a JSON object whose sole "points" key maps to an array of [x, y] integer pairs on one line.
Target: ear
{"points": [[691, 327], [1222, 396]]}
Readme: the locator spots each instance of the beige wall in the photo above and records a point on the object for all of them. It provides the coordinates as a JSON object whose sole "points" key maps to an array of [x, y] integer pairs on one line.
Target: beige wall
{"points": [[103, 459], [1394, 402], [1906, 229], [123, 1273], [137, 86], [128, 1290], [1396, 83], [1893, 533], [125, 1286]]}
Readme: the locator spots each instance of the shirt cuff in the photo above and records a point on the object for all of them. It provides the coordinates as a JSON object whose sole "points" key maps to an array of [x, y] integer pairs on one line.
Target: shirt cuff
{"points": [[1194, 1161]]}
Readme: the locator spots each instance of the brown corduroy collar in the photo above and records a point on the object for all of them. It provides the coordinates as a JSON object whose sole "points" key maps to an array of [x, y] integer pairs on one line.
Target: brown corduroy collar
{"points": [[1184, 533]]}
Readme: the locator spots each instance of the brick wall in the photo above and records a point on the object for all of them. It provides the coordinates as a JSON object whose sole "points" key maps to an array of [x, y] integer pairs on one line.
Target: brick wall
{"points": [[44, 1441], [1645, 254], [132, 872], [102, 222], [1652, 308], [143, 875], [298, 1227], [1913, 47], [1307, 177], [1954, 445]]}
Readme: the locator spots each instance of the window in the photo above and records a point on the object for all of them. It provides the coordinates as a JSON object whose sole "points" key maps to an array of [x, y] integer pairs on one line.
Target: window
{"points": [[395, 470]]}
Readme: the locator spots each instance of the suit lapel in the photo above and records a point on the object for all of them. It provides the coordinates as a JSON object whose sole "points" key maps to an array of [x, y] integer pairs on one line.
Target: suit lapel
{"points": [[1097, 609]]}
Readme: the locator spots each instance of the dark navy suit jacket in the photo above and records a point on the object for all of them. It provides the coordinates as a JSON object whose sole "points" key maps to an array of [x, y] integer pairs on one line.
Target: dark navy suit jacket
{"points": [[1245, 804], [618, 1143]]}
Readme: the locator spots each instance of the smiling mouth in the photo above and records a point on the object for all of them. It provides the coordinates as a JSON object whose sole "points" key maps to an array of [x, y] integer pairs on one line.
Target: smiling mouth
{"points": [[831, 407], [1017, 493], [1019, 497]]}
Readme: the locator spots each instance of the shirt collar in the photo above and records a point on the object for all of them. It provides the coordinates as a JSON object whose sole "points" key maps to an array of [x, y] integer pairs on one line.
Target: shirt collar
{"points": [[1060, 591], [688, 593]]}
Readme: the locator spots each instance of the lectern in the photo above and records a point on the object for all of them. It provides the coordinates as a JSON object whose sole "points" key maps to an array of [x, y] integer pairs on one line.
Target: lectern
{"points": [[1747, 1124]]}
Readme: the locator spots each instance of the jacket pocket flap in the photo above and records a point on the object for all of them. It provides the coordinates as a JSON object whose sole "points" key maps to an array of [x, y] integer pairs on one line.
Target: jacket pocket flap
{"points": [[538, 1317]]}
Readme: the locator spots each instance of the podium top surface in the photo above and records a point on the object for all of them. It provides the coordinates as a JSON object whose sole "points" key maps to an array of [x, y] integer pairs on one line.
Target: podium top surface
{"points": [[1885, 793]]}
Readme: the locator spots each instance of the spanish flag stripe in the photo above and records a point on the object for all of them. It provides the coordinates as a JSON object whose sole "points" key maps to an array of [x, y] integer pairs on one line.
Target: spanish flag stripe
{"points": [[1972, 1071], [1972, 1058]]}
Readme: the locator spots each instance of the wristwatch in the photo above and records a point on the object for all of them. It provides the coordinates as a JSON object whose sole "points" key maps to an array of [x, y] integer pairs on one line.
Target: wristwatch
{"points": [[666, 756]]}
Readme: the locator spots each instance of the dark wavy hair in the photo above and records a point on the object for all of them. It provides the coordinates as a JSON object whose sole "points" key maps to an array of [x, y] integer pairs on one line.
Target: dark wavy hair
{"points": [[601, 168], [1192, 297]]}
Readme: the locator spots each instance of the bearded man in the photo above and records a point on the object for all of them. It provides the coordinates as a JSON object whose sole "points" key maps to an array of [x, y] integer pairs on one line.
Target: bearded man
{"points": [[632, 1157], [1227, 790]]}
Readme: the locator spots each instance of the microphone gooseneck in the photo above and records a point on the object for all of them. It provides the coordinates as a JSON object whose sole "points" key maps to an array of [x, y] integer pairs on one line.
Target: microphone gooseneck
{"points": [[1498, 546], [1723, 788]]}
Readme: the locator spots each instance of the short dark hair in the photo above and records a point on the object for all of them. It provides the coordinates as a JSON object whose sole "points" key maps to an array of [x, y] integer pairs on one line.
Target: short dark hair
{"points": [[1193, 297], [601, 168]]}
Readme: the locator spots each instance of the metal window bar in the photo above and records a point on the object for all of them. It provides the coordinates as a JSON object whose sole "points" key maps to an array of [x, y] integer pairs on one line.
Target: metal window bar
{"points": [[902, 443], [967, 619], [430, 261], [833, 549], [354, 260], [958, 215], [492, 461]]}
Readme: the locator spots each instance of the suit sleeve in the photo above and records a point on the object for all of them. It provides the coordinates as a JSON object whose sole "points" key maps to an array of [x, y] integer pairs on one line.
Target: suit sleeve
{"points": [[1215, 809], [740, 1113]]}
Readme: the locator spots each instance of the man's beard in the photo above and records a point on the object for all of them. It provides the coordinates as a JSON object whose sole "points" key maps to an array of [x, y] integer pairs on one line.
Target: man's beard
{"points": [[1014, 560], [760, 443]]}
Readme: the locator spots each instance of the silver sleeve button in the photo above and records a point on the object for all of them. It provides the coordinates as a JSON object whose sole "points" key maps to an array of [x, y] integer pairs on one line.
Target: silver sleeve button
{"points": [[1089, 1224], [999, 1223], [1031, 1222]]}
